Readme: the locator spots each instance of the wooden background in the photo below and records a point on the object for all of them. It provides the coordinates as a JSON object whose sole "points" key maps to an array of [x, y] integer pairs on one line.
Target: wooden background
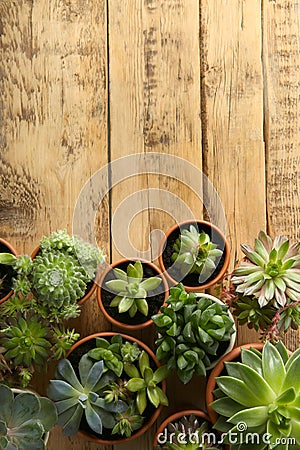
{"points": [[84, 82]]}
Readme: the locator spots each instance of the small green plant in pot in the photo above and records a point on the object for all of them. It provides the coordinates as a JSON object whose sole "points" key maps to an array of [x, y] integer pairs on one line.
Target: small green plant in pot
{"points": [[25, 419], [58, 275], [189, 430], [109, 394], [262, 392], [194, 332], [265, 287]]}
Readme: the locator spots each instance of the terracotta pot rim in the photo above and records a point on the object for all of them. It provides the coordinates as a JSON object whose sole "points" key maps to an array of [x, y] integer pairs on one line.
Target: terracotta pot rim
{"points": [[156, 413], [211, 383], [111, 319], [177, 415], [212, 282], [14, 252], [87, 294]]}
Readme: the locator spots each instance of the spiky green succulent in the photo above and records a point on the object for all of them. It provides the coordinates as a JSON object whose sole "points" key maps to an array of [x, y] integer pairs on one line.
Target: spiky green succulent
{"points": [[248, 311], [193, 252], [191, 330], [190, 433], [131, 289], [262, 392], [270, 272], [24, 419], [75, 396], [128, 421]]}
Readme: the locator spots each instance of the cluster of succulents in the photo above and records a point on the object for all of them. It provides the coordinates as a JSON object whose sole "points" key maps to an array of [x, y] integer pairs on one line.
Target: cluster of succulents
{"points": [[189, 432], [266, 285], [193, 252], [59, 274], [115, 384], [262, 392], [131, 289], [191, 330], [25, 419], [28, 342]]}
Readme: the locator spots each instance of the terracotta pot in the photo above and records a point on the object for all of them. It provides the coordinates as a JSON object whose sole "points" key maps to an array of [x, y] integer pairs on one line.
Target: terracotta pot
{"points": [[153, 418], [12, 250], [216, 372], [178, 415], [89, 291], [206, 226], [114, 321], [232, 337]]}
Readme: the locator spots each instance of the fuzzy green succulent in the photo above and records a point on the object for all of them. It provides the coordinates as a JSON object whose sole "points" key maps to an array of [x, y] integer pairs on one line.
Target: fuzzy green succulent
{"points": [[191, 331], [193, 252], [270, 271], [190, 433], [75, 396], [263, 393], [24, 420], [131, 289]]}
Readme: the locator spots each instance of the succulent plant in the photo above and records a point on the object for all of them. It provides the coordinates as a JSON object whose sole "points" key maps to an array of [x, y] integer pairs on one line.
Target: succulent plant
{"points": [[28, 342], [144, 382], [191, 331], [270, 271], [128, 421], [263, 393], [189, 432], [194, 252], [109, 353], [24, 419], [73, 396], [131, 289]]}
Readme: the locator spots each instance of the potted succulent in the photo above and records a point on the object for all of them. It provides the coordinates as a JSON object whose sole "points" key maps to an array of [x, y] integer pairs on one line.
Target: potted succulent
{"points": [[25, 419], [258, 399], [130, 292], [189, 429], [6, 272], [60, 273], [265, 289], [109, 389], [195, 331], [195, 253]]}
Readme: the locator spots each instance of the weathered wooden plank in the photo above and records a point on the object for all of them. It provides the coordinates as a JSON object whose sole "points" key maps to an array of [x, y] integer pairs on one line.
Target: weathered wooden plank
{"points": [[53, 129], [232, 99], [155, 107], [281, 27]]}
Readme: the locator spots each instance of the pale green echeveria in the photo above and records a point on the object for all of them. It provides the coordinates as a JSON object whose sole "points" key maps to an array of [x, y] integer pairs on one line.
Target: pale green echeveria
{"points": [[131, 289], [271, 271], [193, 252], [24, 420], [262, 392], [73, 396]]}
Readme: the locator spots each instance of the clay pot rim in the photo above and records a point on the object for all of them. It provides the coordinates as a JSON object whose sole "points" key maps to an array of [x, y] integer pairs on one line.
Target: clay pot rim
{"points": [[88, 293], [156, 413], [14, 252], [218, 277], [217, 370], [111, 319]]}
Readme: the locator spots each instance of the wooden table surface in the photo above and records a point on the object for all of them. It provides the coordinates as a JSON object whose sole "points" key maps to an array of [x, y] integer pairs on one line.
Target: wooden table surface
{"points": [[86, 82]]}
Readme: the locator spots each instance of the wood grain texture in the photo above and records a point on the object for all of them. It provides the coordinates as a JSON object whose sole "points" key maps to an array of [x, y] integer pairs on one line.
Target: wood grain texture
{"points": [[232, 98], [281, 31]]}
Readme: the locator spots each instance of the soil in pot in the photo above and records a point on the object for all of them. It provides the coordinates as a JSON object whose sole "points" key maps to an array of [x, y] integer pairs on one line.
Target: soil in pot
{"points": [[74, 358], [155, 298], [192, 279], [6, 273]]}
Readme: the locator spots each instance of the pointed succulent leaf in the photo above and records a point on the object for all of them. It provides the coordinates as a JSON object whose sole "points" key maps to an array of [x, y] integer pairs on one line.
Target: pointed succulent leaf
{"points": [[257, 384], [292, 376], [253, 417], [288, 396], [143, 362], [94, 375], [120, 274], [160, 374], [237, 390], [84, 366], [8, 259], [135, 384], [66, 372], [150, 283], [71, 426], [141, 400], [153, 396], [93, 419], [142, 305], [131, 370], [116, 285], [273, 367], [125, 304], [226, 406]]}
